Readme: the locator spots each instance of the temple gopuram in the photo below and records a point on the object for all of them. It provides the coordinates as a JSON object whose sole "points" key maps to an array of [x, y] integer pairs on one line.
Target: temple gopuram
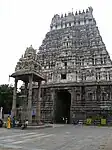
{"points": [[74, 68]]}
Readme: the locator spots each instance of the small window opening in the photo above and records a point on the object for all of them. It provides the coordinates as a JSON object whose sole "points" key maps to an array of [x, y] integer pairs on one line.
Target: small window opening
{"points": [[109, 76], [65, 64], [90, 19], [63, 76], [99, 75], [96, 76]]}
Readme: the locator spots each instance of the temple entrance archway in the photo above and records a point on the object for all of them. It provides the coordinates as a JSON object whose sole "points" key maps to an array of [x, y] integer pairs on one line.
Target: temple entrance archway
{"points": [[63, 103]]}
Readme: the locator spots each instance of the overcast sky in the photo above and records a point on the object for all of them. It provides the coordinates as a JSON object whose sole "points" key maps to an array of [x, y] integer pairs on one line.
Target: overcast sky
{"points": [[25, 22]]}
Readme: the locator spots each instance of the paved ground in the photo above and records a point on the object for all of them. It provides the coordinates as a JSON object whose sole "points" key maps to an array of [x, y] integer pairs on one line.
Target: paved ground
{"points": [[67, 137]]}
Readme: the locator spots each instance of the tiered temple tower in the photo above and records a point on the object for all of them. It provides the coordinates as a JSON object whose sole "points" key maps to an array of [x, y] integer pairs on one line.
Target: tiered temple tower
{"points": [[75, 60], [77, 68]]}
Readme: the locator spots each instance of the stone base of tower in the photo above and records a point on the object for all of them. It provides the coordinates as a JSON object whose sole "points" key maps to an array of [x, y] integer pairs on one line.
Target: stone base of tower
{"points": [[75, 102], [94, 115]]}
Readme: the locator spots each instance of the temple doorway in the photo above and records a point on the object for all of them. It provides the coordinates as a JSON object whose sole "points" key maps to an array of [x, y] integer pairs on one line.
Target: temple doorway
{"points": [[63, 103]]}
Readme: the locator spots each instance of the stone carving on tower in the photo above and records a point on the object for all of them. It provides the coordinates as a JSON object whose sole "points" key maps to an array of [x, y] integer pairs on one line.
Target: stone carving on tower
{"points": [[28, 62], [72, 56], [74, 47], [73, 53]]}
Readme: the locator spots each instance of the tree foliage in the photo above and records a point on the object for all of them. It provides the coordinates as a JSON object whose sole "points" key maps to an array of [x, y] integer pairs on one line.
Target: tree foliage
{"points": [[6, 96]]}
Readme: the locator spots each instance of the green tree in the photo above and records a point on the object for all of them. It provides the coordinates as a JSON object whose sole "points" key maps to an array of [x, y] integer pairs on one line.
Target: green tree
{"points": [[6, 96]]}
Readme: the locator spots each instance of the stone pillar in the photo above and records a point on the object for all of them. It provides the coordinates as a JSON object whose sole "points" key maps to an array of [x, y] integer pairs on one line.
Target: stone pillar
{"points": [[26, 98], [83, 96], [30, 100], [71, 108], [54, 104], [13, 112], [24, 111], [71, 91], [39, 103], [73, 104], [98, 96]]}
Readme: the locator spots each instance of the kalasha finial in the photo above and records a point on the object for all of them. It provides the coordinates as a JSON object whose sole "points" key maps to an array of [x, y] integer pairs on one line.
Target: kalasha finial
{"points": [[90, 9], [76, 13], [31, 47], [86, 10], [62, 16], [83, 11], [79, 12]]}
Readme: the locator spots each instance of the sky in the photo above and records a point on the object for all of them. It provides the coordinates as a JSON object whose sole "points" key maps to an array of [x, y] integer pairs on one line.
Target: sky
{"points": [[25, 22]]}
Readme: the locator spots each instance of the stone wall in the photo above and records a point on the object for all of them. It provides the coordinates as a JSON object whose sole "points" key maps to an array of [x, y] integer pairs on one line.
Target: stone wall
{"points": [[85, 101]]}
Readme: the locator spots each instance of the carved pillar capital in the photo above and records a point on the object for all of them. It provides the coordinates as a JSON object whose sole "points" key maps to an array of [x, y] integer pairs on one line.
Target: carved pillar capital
{"points": [[71, 90], [52, 90]]}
